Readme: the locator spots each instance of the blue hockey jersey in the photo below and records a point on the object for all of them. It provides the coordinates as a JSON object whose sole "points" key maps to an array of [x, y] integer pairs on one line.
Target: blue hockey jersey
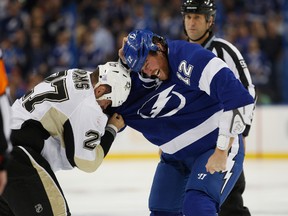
{"points": [[181, 115]]}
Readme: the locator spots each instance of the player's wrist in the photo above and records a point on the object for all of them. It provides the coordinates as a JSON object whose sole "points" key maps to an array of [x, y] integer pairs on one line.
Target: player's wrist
{"points": [[112, 129], [223, 142]]}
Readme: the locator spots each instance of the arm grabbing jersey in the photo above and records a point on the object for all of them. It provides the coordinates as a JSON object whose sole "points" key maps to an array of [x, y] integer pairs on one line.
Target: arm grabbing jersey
{"points": [[181, 115]]}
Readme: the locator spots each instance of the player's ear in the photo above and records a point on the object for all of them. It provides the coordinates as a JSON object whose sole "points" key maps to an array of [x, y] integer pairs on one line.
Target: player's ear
{"points": [[211, 19]]}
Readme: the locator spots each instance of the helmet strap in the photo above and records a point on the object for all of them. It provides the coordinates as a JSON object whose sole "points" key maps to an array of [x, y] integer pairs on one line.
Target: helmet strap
{"points": [[96, 85], [195, 40]]}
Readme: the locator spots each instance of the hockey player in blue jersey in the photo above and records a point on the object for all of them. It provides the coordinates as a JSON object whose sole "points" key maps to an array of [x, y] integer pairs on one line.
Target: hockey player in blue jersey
{"points": [[186, 101]]}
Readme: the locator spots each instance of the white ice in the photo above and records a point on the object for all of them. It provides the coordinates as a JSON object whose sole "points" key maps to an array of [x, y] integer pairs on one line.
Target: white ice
{"points": [[121, 188]]}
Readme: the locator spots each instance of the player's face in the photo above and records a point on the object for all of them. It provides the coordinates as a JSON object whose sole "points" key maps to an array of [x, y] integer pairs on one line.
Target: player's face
{"points": [[195, 25], [156, 66], [104, 103], [99, 92]]}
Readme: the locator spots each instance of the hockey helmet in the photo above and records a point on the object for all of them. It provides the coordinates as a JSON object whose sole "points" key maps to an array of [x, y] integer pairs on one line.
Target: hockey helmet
{"points": [[118, 78], [207, 7], [137, 48]]}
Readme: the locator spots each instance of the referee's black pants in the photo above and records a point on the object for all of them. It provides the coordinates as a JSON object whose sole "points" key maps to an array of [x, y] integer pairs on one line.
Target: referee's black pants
{"points": [[233, 205]]}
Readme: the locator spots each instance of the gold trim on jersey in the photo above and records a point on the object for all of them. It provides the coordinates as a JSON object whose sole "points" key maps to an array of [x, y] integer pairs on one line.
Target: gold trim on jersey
{"points": [[54, 195], [53, 122], [91, 166]]}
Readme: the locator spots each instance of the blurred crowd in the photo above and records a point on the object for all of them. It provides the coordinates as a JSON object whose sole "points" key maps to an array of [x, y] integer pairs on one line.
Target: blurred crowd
{"points": [[41, 37]]}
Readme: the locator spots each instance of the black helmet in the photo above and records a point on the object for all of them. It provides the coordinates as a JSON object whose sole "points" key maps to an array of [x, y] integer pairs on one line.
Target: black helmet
{"points": [[207, 7]]}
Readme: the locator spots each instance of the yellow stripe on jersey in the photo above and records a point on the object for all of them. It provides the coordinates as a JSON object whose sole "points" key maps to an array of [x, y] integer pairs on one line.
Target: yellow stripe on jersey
{"points": [[91, 166], [53, 122], [54, 195]]}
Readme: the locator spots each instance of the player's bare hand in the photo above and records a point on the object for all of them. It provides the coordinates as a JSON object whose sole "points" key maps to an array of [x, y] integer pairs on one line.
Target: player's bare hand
{"points": [[3, 180], [217, 161], [121, 50], [117, 120]]}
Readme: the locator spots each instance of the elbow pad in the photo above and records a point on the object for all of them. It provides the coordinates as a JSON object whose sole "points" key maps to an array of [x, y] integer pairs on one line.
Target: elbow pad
{"points": [[231, 123], [247, 112]]}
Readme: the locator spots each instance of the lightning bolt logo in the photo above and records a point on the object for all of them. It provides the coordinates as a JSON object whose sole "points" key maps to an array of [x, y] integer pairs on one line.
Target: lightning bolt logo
{"points": [[162, 99], [160, 103], [228, 172]]}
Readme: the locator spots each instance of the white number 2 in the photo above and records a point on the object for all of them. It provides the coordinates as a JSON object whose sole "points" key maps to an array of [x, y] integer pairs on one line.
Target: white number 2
{"points": [[184, 72]]}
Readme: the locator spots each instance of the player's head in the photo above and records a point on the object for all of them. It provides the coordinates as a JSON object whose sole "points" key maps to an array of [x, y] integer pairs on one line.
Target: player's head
{"points": [[205, 8], [114, 75], [140, 45]]}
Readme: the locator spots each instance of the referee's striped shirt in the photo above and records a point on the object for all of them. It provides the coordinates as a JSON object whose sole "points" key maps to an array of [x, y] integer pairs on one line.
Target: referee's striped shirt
{"points": [[235, 61]]}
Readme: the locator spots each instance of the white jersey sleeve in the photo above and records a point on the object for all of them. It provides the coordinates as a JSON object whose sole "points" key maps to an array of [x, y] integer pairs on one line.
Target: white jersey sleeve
{"points": [[88, 126]]}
